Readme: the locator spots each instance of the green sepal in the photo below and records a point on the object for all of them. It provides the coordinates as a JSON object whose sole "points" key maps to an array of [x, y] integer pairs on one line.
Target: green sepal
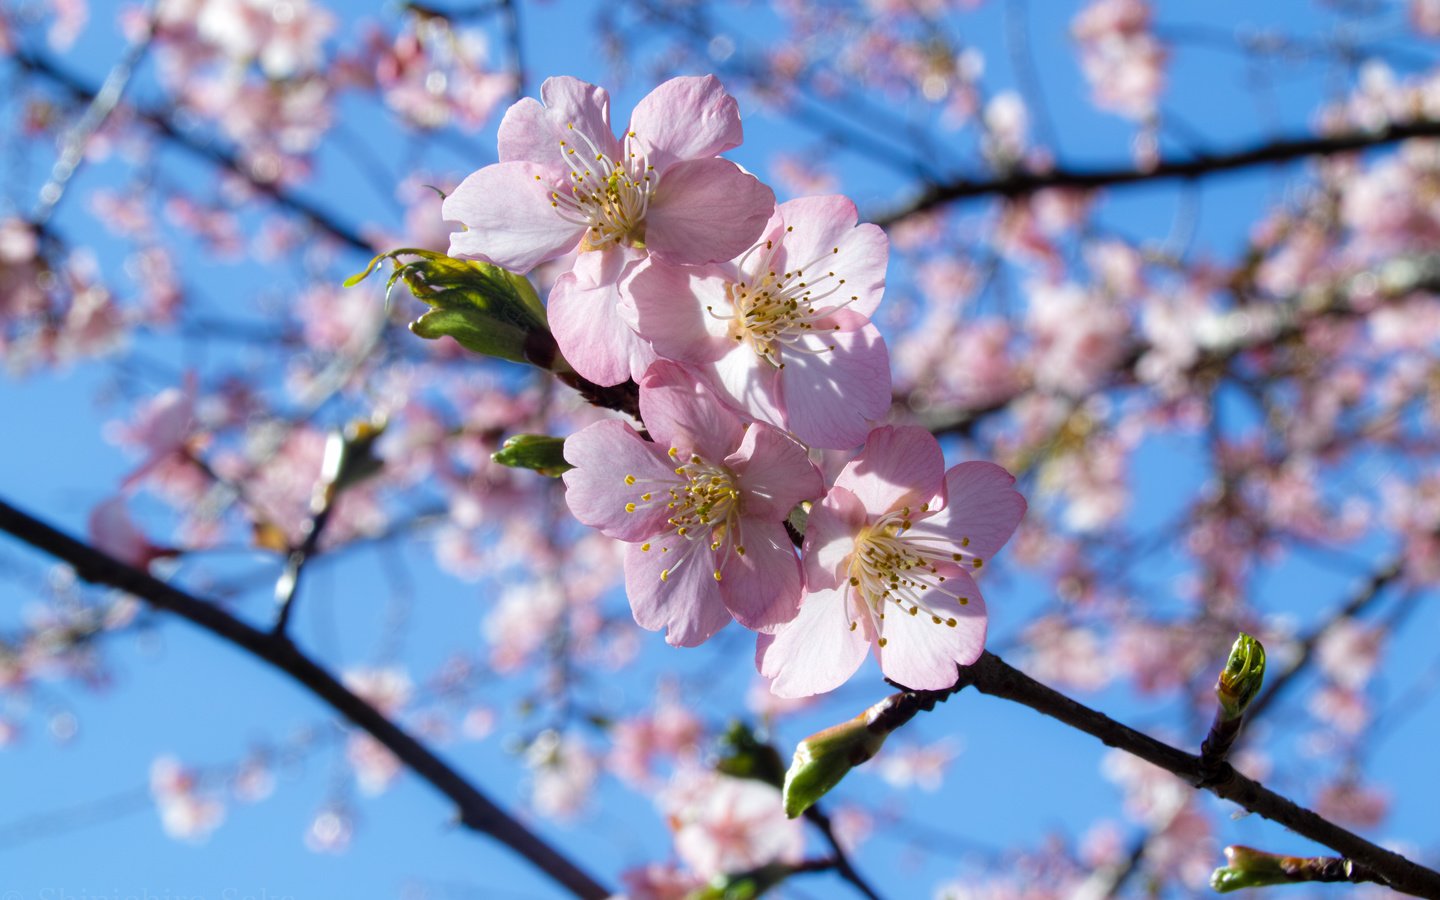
{"points": [[482, 307]]}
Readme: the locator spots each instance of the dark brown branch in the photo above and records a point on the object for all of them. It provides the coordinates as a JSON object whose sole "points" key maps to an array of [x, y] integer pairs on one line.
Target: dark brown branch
{"points": [[83, 92], [476, 811], [992, 675], [841, 860], [1020, 184]]}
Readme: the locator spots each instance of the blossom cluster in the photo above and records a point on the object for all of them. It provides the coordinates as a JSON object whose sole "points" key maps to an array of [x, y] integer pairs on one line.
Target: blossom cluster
{"points": [[747, 327]]}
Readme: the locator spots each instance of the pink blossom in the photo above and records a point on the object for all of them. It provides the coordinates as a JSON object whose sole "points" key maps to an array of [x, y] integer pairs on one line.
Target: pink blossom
{"points": [[707, 539], [1079, 338], [782, 331], [563, 771], [888, 556], [112, 531], [387, 689], [564, 181], [187, 812], [725, 825], [1121, 58], [660, 882]]}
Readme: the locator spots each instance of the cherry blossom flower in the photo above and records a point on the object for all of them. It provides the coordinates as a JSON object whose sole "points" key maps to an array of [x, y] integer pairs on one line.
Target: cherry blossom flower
{"points": [[703, 508], [888, 556], [564, 182], [726, 825], [113, 531], [783, 330]]}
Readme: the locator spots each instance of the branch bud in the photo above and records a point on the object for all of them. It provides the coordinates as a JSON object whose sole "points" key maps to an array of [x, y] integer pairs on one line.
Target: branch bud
{"points": [[541, 452], [483, 307], [1242, 677], [824, 758], [1251, 868]]}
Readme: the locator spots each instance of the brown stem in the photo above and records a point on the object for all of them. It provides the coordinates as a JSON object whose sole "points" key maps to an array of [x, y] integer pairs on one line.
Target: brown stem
{"points": [[992, 675], [476, 811], [1020, 184]]}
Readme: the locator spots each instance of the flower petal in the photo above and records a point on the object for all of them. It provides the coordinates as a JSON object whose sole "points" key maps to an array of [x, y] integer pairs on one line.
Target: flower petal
{"points": [[586, 318], [682, 413], [670, 309], [982, 509], [835, 386], [509, 218], [706, 210], [686, 602], [686, 118], [775, 473], [817, 651], [921, 653], [762, 588], [531, 132], [899, 465], [749, 384], [605, 456], [830, 538], [821, 235]]}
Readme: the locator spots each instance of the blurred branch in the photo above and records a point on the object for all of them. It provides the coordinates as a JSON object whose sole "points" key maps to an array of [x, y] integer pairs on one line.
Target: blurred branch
{"points": [[102, 103], [198, 146], [1020, 184], [841, 860], [476, 811], [992, 675]]}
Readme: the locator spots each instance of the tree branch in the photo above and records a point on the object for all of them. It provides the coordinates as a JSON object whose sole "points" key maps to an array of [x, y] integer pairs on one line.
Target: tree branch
{"points": [[85, 93], [476, 811], [992, 675], [1021, 184]]}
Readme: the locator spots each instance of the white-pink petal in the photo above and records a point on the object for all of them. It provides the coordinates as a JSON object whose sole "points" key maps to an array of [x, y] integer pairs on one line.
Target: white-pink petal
{"points": [[509, 217], [817, 651], [762, 588], [606, 455], [982, 509], [681, 413], [822, 235], [686, 118], [586, 318], [775, 473], [531, 132], [686, 602], [900, 465], [835, 386], [922, 654], [705, 211]]}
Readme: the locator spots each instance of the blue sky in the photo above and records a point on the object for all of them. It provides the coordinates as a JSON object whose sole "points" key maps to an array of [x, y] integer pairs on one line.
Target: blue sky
{"points": [[76, 821]]}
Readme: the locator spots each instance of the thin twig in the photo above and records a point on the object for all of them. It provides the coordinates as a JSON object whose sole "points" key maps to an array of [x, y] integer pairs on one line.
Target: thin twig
{"points": [[842, 864], [476, 811], [1020, 184], [168, 129], [992, 675]]}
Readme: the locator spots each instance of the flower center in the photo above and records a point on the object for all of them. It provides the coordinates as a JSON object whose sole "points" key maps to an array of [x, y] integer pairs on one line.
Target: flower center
{"points": [[704, 508], [607, 196], [889, 566], [774, 309]]}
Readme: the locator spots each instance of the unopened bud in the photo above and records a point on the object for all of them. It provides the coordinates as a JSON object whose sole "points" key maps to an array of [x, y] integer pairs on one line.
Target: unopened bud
{"points": [[1249, 868], [824, 758], [1242, 677], [483, 307], [541, 452]]}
